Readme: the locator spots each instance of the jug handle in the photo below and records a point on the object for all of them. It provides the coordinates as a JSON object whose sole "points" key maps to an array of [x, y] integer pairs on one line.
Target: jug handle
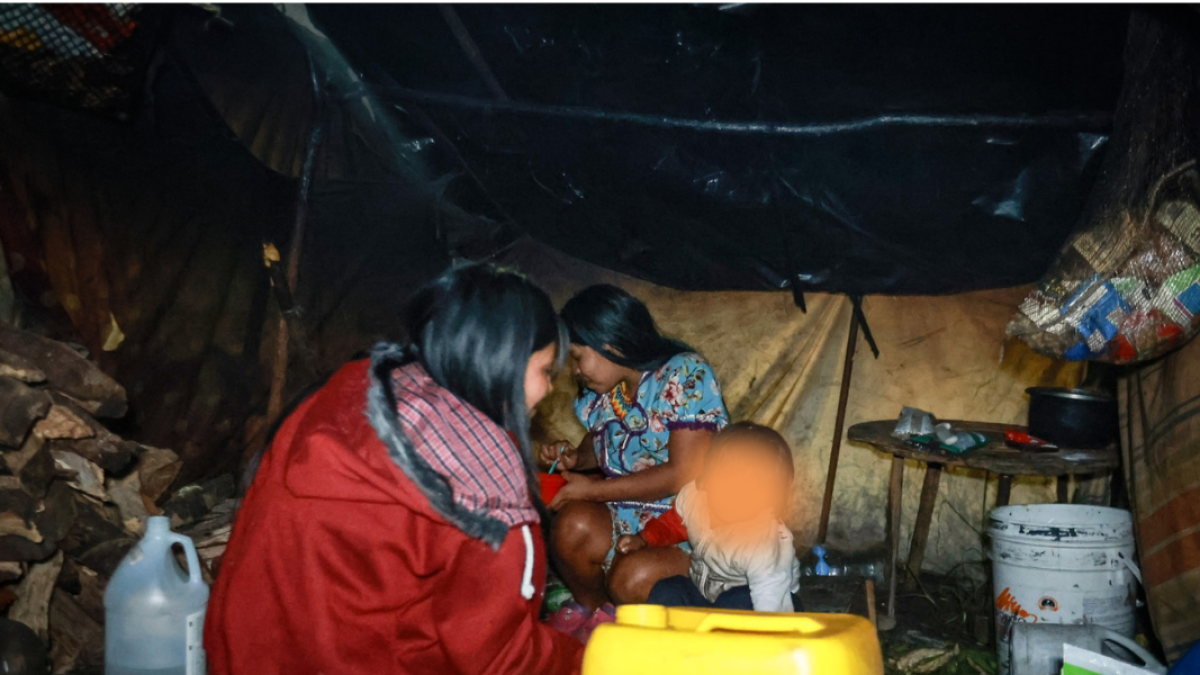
{"points": [[759, 623], [1152, 663], [1137, 574], [193, 560]]}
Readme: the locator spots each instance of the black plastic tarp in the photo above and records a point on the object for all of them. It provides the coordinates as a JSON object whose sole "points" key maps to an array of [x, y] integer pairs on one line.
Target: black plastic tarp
{"points": [[858, 149]]}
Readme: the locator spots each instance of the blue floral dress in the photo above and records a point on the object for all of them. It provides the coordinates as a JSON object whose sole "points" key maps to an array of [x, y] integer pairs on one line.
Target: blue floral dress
{"points": [[631, 433]]}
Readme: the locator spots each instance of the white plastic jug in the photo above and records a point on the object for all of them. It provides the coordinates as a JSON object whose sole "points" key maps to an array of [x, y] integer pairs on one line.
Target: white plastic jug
{"points": [[1037, 648], [153, 612]]}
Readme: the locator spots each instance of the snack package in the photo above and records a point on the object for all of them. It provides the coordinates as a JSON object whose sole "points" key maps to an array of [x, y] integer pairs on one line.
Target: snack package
{"points": [[1138, 309], [1126, 286]]}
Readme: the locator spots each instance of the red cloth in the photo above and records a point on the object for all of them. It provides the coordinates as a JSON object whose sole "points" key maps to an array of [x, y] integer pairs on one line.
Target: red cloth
{"points": [[338, 564], [665, 530]]}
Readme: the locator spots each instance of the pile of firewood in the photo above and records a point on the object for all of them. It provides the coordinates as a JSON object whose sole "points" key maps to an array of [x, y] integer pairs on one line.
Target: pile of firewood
{"points": [[74, 497]]}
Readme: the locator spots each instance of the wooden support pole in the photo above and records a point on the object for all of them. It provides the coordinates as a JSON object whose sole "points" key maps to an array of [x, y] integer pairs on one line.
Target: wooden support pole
{"points": [[920, 535], [895, 502], [1063, 489], [295, 248], [870, 588], [297, 338], [839, 423], [1003, 490], [278, 372]]}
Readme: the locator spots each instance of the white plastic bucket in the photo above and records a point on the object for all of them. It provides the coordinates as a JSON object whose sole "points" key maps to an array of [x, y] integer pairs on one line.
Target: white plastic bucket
{"points": [[1062, 563]]}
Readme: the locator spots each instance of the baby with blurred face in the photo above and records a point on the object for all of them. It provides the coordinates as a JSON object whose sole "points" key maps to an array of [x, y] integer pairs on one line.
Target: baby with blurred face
{"points": [[743, 556]]}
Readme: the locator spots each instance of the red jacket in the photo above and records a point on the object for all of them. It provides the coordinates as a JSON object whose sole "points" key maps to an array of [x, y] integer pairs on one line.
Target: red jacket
{"points": [[338, 564]]}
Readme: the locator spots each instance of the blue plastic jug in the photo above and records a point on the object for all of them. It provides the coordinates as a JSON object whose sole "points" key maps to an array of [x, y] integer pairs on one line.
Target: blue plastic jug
{"points": [[153, 611]]}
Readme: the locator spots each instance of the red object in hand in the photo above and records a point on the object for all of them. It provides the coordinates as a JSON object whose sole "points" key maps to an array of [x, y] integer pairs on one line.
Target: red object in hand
{"points": [[550, 484]]}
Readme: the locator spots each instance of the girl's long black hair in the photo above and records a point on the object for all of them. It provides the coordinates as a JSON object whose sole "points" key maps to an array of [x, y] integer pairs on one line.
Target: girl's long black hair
{"points": [[474, 329], [611, 321]]}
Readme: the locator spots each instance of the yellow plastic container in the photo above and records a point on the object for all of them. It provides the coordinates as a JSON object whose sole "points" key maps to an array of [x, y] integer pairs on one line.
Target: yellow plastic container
{"points": [[656, 640]]}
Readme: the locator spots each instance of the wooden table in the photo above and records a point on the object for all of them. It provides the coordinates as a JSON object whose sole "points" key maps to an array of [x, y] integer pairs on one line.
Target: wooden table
{"points": [[995, 456]]}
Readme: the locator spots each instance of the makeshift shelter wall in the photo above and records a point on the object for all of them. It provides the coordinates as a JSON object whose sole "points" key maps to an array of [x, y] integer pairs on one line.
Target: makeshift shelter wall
{"points": [[1160, 406], [781, 367], [143, 243]]}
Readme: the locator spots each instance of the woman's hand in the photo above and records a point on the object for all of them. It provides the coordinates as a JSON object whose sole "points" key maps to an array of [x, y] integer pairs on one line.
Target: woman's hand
{"points": [[578, 488], [566, 454], [686, 448], [628, 543]]}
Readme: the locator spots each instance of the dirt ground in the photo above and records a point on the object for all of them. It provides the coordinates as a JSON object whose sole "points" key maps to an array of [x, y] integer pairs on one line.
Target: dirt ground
{"points": [[943, 624]]}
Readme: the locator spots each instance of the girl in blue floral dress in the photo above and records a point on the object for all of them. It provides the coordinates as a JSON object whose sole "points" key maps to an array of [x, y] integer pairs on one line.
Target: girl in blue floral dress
{"points": [[650, 406]]}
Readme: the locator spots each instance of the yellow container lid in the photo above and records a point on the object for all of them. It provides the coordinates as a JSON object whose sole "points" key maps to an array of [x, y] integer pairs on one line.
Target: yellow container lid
{"points": [[656, 640]]}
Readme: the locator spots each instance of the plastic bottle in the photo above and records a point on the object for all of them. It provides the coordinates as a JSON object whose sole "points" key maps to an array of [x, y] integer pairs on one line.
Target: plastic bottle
{"points": [[872, 570], [822, 568], [153, 612], [828, 564]]}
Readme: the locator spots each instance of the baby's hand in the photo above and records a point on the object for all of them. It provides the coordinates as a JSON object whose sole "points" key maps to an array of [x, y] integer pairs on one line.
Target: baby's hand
{"points": [[628, 543]]}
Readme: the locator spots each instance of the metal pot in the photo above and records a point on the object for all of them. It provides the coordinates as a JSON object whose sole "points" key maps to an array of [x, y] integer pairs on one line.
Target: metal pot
{"points": [[1072, 418]]}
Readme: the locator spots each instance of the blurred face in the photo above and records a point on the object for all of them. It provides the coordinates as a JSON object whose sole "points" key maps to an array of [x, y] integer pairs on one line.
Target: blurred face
{"points": [[745, 481], [539, 376], [594, 371]]}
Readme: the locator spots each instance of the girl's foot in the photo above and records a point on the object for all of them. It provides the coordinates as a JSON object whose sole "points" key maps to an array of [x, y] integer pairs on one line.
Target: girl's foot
{"points": [[571, 617], [605, 614]]}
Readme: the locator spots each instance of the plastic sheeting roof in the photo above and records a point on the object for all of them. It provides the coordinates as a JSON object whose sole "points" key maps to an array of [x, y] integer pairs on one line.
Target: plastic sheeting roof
{"points": [[855, 149], [860, 149]]}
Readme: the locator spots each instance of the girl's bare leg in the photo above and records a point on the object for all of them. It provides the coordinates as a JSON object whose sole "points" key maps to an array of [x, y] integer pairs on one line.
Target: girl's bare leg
{"points": [[580, 538], [632, 576]]}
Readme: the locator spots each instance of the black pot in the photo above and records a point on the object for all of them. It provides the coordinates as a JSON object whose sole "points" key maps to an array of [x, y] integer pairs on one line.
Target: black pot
{"points": [[1072, 418]]}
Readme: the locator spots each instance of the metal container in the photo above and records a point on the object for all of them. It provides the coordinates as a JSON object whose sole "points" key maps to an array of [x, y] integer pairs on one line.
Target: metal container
{"points": [[1072, 418]]}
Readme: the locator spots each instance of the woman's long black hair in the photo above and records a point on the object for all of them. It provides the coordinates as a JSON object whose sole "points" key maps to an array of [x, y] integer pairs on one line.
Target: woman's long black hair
{"points": [[474, 329], [616, 324]]}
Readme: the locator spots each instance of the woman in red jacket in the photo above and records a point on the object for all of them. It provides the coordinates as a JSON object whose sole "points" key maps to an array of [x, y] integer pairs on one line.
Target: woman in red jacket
{"points": [[390, 527]]}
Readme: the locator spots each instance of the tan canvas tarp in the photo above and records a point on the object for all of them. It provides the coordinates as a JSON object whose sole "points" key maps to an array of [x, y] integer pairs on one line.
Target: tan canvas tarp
{"points": [[781, 367]]}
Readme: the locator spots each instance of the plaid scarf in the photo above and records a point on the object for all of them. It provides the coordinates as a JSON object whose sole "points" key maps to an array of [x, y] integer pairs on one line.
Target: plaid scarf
{"points": [[475, 456]]}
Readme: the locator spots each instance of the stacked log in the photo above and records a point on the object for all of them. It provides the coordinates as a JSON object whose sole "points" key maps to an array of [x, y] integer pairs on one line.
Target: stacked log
{"points": [[74, 496]]}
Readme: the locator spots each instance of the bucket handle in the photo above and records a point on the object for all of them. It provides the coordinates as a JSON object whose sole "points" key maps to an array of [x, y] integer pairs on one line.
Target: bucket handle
{"points": [[193, 560], [1147, 658], [1133, 569]]}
